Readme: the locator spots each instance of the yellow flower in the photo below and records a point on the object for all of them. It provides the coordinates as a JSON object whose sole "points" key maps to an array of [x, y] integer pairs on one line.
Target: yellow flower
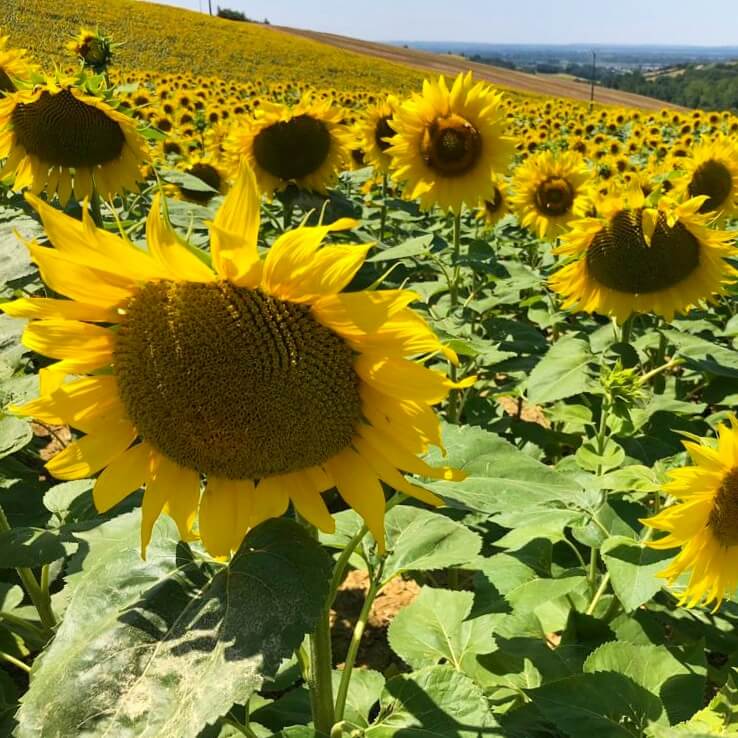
{"points": [[60, 139], [13, 65], [94, 49], [206, 170], [449, 143], [549, 191], [492, 211], [633, 258], [711, 169], [375, 131], [306, 144], [259, 374], [704, 523]]}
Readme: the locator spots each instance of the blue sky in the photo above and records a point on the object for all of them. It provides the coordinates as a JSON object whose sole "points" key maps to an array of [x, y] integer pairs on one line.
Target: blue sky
{"points": [[707, 23]]}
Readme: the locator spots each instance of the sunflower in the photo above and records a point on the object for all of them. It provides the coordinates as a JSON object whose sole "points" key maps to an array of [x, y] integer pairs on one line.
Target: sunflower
{"points": [[260, 375], [208, 171], [633, 258], [13, 65], [306, 144], [58, 138], [93, 48], [704, 523], [492, 211], [711, 169], [375, 131], [449, 143], [549, 191]]}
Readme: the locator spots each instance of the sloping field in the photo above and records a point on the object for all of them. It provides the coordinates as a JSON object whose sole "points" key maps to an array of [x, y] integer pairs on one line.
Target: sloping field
{"points": [[162, 38], [548, 85]]}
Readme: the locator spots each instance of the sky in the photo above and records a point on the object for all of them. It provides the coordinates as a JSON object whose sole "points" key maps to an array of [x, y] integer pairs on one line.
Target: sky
{"points": [[665, 22]]}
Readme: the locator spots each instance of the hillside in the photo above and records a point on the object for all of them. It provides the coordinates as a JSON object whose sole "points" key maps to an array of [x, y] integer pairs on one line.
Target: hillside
{"points": [[168, 39], [548, 85]]}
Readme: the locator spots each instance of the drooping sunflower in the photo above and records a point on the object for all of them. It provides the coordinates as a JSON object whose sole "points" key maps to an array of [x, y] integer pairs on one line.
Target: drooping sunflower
{"points": [[711, 169], [207, 170], [704, 523], [449, 143], [375, 131], [306, 145], [549, 190], [260, 375], [93, 48], [492, 211], [14, 65], [58, 138], [633, 258]]}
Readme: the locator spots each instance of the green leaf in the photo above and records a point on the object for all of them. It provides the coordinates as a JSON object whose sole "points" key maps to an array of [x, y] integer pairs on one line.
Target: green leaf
{"points": [[436, 702], [678, 685], [420, 540], [11, 595], [8, 703], [532, 594], [590, 459], [29, 547], [15, 260], [705, 355], [434, 629], [633, 570], [527, 525], [412, 247], [15, 433], [562, 372], [604, 704], [365, 690], [158, 648], [500, 476]]}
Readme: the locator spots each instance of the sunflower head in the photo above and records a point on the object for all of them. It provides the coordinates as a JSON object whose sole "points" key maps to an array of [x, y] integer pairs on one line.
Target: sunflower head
{"points": [[57, 137], [375, 132], [209, 172], [93, 49], [449, 143], [306, 145], [711, 170], [634, 258], [549, 191], [14, 66], [231, 385], [704, 522], [493, 210]]}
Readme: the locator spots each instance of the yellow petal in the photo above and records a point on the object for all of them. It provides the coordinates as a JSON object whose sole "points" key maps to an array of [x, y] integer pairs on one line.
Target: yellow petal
{"points": [[182, 502], [93, 452], [122, 476], [307, 500], [330, 270], [221, 525], [271, 499], [352, 313], [235, 230], [166, 248], [44, 307], [68, 339], [358, 485]]}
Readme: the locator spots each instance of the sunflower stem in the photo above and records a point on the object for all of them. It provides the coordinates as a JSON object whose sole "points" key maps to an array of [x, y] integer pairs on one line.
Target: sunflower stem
{"points": [[41, 601], [342, 562], [353, 649], [95, 208], [598, 594], [286, 215], [454, 286], [321, 678], [383, 213], [15, 662], [627, 329]]}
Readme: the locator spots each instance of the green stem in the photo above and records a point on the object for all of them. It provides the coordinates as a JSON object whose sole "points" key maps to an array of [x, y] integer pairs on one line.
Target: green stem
{"points": [[286, 217], [353, 648], [95, 208], [593, 560], [454, 286], [383, 213], [677, 361], [598, 594], [342, 563], [627, 329], [41, 601], [321, 678], [15, 662]]}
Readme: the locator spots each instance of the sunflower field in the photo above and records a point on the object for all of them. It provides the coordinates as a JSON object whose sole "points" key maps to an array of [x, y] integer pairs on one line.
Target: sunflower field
{"points": [[333, 413]]}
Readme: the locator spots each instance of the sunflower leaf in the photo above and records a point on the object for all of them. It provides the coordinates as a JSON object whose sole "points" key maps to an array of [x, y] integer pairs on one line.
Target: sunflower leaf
{"points": [[159, 648]]}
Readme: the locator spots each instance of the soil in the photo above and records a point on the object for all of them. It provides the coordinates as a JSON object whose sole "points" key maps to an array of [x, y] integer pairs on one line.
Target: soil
{"points": [[374, 652]]}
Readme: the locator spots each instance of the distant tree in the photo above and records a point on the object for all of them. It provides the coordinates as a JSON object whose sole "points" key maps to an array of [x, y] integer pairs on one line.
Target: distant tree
{"points": [[235, 15]]}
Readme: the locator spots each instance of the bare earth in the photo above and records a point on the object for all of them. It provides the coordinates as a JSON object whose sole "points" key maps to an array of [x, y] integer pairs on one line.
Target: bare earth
{"points": [[547, 85]]}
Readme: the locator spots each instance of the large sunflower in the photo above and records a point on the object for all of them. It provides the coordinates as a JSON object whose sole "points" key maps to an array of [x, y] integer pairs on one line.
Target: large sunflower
{"points": [[492, 211], [449, 143], [633, 258], [375, 131], [711, 169], [14, 65], [549, 190], [260, 375], [58, 138], [704, 523], [306, 144]]}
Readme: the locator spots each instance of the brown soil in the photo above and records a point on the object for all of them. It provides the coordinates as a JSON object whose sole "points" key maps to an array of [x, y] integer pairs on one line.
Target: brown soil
{"points": [[536, 84], [374, 651]]}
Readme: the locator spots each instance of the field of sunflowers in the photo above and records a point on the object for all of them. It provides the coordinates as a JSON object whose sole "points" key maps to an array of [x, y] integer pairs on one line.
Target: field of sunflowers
{"points": [[261, 338]]}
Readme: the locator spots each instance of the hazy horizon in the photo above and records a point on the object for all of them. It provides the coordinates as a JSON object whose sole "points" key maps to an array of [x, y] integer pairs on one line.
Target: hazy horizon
{"points": [[672, 23]]}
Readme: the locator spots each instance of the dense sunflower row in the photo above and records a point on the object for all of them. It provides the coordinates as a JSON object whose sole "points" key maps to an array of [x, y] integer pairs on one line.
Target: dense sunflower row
{"points": [[636, 204]]}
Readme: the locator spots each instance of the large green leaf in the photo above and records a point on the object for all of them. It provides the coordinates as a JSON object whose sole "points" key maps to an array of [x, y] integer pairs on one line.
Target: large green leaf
{"points": [[562, 372], [29, 547], [421, 540], [365, 690], [633, 570], [500, 476], [705, 355], [159, 648], [436, 702], [15, 433], [15, 260], [434, 628]]}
